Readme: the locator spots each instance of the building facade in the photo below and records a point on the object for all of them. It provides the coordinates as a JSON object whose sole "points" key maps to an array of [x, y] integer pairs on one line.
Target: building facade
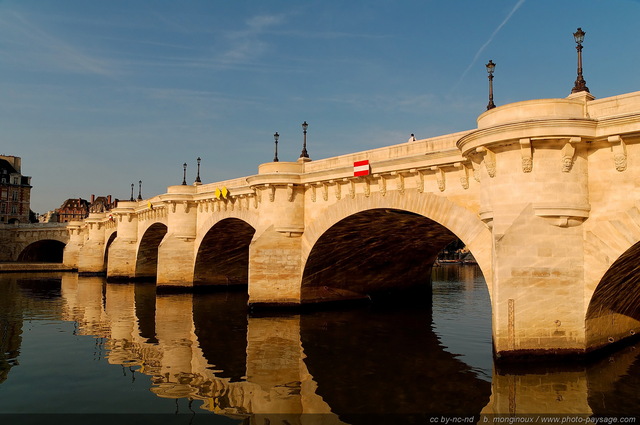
{"points": [[73, 209], [15, 191]]}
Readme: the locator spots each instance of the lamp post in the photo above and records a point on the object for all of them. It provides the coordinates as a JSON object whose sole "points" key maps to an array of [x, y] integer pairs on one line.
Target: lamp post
{"points": [[490, 68], [184, 175], [198, 181], [140, 190], [304, 153], [581, 84], [131, 199], [276, 136]]}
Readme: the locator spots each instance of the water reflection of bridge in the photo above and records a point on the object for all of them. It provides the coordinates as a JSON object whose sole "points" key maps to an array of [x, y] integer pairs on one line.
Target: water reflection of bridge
{"points": [[205, 347], [198, 347]]}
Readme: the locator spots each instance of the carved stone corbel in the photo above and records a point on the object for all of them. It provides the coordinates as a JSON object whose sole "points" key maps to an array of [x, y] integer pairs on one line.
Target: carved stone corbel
{"points": [[325, 191], [527, 156], [419, 181], [290, 192], [439, 177], [475, 165], [399, 182], [568, 152], [464, 174], [619, 149], [336, 189], [382, 183], [352, 187], [272, 192], [489, 158], [367, 187], [258, 194], [312, 191]]}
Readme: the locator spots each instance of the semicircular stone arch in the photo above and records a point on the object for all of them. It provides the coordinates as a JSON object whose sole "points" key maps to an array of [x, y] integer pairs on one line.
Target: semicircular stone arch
{"points": [[222, 250], [109, 237], [612, 278], [204, 225], [144, 225], [462, 222], [147, 251], [44, 250]]}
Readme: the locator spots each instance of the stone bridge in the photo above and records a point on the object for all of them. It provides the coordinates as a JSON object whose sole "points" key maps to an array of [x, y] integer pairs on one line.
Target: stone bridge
{"points": [[33, 242], [544, 193]]}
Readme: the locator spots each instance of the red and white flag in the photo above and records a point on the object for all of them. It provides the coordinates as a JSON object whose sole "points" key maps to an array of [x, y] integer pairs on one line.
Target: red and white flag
{"points": [[361, 168]]}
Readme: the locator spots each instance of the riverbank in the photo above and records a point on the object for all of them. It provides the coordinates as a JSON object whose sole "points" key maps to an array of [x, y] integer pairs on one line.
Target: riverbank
{"points": [[33, 267]]}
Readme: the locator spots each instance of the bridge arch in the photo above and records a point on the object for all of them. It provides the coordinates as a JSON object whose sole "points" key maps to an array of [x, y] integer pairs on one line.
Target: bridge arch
{"points": [[612, 278], [43, 251], [613, 312], [109, 240], [222, 256], [147, 253], [436, 214], [144, 225]]}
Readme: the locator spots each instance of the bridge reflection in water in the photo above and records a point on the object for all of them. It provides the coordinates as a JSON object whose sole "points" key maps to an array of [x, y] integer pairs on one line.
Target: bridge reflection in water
{"points": [[344, 365]]}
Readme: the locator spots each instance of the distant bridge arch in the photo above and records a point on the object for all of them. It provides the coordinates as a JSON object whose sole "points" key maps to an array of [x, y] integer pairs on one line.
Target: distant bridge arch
{"points": [[43, 251]]}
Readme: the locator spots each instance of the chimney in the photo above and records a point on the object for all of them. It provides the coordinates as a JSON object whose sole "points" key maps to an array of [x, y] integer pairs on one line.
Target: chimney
{"points": [[109, 201], [93, 198]]}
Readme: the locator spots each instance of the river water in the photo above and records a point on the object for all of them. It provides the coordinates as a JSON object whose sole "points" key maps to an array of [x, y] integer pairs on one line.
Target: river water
{"points": [[73, 346]]}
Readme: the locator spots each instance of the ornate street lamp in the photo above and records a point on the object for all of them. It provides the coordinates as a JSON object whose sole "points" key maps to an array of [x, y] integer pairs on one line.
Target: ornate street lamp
{"points": [[276, 136], [304, 153], [581, 84], [198, 181], [490, 68], [140, 190], [131, 199], [184, 176]]}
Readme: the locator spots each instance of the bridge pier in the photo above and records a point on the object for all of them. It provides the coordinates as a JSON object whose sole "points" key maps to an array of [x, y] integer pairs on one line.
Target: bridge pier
{"points": [[123, 250], [535, 198], [275, 269], [91, 259], [177, 251], [71, 255]]}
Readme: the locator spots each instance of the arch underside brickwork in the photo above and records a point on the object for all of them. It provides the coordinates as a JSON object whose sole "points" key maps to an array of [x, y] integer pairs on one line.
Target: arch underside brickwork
{"points": [[44, 250], [384, 241], [612, 279], [147, 253], [223, 254]]}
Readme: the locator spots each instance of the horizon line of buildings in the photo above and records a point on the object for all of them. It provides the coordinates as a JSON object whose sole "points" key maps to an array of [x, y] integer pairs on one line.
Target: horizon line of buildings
{"points": [[15, 199]]}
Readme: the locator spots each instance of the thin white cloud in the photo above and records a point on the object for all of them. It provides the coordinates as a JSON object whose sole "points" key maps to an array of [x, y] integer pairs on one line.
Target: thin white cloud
{"points": [[35, 45], [247, 44], [493, 35]]}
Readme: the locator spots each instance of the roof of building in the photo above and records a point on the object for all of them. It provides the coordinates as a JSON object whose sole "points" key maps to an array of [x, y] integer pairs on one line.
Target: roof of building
{"points": [[6, 167], [74, 203]]}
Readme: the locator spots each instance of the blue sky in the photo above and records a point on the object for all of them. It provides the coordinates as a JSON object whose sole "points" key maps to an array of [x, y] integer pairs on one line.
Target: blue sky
{"points": [[96, 95]]}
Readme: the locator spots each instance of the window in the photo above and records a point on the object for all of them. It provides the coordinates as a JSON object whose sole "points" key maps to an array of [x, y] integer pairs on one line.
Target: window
{"points": [[15, 196], [14, 209]]}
